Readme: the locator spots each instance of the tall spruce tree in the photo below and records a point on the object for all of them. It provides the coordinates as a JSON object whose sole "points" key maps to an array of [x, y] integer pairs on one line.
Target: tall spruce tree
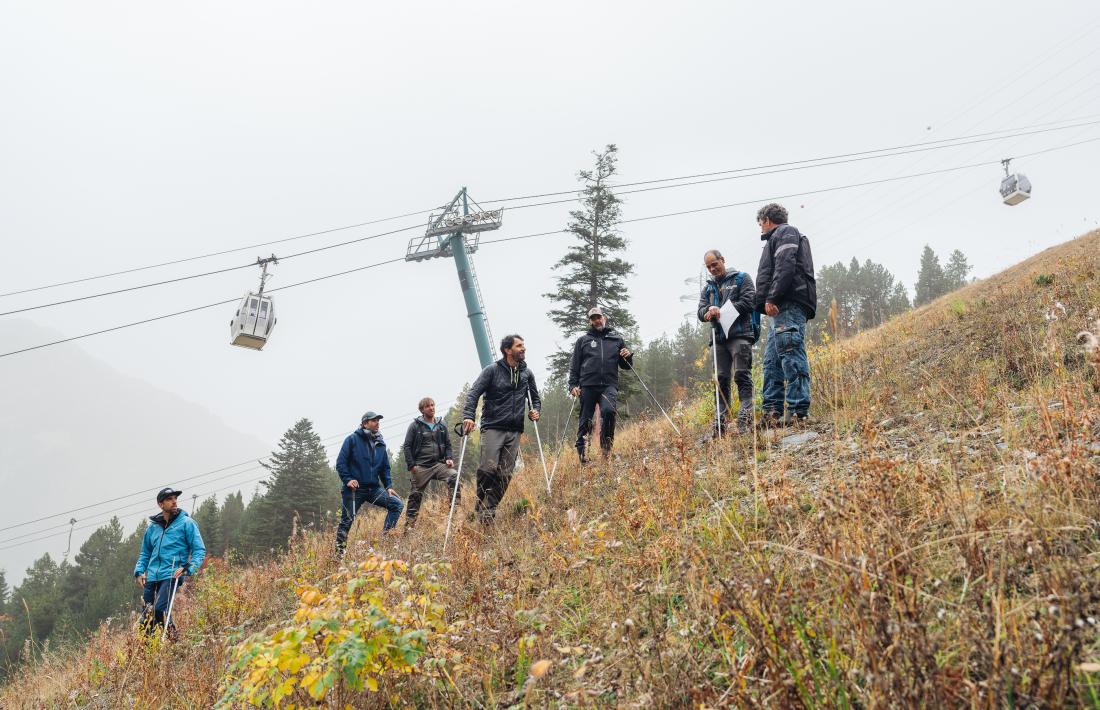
{"points": [[930, 278], [957, 272], [209, 521], [231, 516], [5, 592], [100, 582], [36, 605], [301, 485], [590, 272]]}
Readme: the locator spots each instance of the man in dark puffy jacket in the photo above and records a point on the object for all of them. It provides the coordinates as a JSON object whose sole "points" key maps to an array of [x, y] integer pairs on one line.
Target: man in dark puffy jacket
{"points": [[734, 349], [508, 387], [787, 292], [428, 455], [594, 377], [364, 468]]}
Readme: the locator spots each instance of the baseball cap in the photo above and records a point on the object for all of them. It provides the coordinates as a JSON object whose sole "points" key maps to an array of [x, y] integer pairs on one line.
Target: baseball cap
{"points": [[168, 492], [595, 311], [371, 414]]}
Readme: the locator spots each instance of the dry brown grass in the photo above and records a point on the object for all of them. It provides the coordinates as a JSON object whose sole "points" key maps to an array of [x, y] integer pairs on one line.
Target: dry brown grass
{"points": [[936, 545]]}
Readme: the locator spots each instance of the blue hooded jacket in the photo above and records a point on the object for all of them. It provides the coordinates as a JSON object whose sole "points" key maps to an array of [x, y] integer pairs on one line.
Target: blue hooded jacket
{"points": [[364, 457], [167, 548]]}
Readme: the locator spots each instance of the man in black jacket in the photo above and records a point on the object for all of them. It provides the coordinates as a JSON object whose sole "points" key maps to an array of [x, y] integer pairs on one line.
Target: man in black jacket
{"points": [[594, 377], [734, 349], [787, 292], [429, 456], [508, 386]]}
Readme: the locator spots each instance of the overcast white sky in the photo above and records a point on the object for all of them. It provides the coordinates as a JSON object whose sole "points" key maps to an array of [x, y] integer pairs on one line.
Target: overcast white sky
{"points": [[134, 133]]}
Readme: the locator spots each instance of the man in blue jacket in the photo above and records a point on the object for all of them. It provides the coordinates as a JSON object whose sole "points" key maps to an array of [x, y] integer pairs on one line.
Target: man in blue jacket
{"points": [[172, 547], [364, 468]]}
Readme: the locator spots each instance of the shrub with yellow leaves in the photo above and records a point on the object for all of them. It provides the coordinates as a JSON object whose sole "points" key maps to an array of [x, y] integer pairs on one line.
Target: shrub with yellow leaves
{"points": [[378, 620]]}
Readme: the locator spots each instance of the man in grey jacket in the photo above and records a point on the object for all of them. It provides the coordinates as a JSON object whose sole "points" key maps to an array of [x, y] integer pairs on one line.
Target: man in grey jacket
{"points": [[428, 455], [508, 387]]}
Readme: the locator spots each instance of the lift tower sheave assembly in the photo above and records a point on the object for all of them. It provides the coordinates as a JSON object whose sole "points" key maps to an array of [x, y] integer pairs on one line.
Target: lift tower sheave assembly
{"points": [[455, 232]]}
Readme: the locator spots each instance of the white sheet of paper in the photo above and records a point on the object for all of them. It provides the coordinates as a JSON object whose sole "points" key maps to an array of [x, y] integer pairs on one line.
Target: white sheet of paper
{"points": [[727, 316]]}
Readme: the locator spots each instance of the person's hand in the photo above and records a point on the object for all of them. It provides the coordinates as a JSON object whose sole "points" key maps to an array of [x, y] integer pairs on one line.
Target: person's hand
{"points": [[179, 573], [712, 312], [624, 353], [575, 392], [450, 463], [392, 492], [141, 580], [413, 470], [467, 426], [771, 309], [353, 484], [533, 415]]}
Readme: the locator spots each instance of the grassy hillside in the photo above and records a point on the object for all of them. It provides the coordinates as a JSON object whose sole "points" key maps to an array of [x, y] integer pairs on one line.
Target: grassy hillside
{"points": [[930, 540]]}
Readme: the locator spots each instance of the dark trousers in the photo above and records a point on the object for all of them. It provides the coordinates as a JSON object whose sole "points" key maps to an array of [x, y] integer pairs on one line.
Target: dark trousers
{"points": [[607, 399], [735, 358], [156, 596], [499, 450], [353, 500]]}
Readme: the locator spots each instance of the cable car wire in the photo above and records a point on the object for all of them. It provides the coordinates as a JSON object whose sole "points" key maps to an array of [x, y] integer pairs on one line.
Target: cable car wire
{"points": [[398, 420], [730, 174], [207, 273], [506, 239]]}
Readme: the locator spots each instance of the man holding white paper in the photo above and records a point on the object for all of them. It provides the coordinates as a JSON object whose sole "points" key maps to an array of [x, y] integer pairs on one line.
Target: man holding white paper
{"points": [[728, 302]]}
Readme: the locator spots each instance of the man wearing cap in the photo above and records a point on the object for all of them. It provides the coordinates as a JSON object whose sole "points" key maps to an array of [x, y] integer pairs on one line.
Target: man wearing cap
{"points": [[509, 389], [364, 468], [598, 355], [172, 548]]}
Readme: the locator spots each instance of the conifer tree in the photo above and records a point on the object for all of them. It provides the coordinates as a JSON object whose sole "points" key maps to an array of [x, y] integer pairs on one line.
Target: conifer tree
{"points": [[590, 272], [230, 519], [301, 484], [209, 521], [957, 272], [5, 592], [930, 278]]}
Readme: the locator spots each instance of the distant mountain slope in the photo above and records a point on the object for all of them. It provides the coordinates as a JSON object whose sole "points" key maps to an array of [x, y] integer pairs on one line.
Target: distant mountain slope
{"points": [[74, 431]]}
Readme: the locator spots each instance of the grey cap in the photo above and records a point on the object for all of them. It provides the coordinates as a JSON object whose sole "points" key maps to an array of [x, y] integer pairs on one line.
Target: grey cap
{"points": [[371, 414], [595, 311]]}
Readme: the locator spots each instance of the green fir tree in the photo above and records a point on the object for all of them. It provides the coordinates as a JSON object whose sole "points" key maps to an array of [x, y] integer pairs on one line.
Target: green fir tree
{"points": [[591, 273]]}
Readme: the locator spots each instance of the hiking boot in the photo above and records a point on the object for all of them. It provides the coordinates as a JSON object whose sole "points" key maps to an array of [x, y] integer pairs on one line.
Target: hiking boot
{"points": [[794, 419], [771, 420]]}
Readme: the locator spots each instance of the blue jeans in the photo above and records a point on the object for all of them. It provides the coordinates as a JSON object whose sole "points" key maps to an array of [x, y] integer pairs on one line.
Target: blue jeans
{"points": [[786, 369], [353, 500], [156, 596]]}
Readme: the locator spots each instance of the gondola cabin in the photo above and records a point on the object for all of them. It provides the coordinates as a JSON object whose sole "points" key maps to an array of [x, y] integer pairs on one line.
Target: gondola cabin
{"points": [[253, 322], [1015, 188]]}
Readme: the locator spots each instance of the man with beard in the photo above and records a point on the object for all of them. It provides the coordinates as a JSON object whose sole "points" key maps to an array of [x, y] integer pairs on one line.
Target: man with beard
{"points": [[508, 387], [594, 377]]}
